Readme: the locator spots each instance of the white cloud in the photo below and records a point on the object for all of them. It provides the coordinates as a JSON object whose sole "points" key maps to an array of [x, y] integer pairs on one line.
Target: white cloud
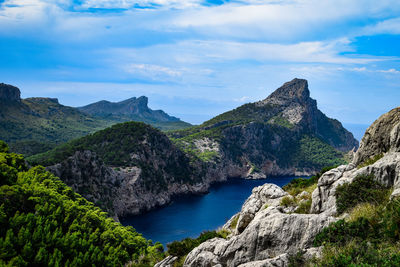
{"points": [[151, 71], [389, 26]]}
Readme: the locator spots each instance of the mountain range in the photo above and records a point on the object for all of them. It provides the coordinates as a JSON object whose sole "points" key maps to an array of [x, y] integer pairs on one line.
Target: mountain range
{"points": [[37, 124]]}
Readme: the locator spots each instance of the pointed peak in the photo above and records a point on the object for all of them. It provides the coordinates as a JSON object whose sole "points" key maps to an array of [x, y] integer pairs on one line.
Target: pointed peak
{"points": [[296, 89]]}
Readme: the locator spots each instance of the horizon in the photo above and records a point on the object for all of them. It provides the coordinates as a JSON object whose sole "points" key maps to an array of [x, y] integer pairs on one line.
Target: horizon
{"points": [[196, 59]]}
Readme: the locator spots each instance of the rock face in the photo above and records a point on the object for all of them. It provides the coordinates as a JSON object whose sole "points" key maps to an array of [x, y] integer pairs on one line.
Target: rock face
{"points": [[9, 93], [381, 137], [126, 169], [284, 134], [264, 233]]}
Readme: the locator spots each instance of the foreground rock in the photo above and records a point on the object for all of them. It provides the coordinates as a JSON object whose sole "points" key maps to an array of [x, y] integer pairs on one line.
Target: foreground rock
{"points": [[265, 233]]}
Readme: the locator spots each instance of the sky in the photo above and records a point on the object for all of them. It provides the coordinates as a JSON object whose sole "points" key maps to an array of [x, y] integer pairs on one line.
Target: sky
{"points": [[198, 58]]}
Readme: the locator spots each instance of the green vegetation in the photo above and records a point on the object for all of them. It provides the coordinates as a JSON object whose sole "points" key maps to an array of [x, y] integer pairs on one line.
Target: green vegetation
{"points": [[364, 189], [370, 161], [297, 259], [183, 247], [304, 207], [44, 223], [370, 235], [234, 222], [288, 201], [36, 125], [116, 145], [298, 185], [311, 151], [37, 121], [279, 120]]}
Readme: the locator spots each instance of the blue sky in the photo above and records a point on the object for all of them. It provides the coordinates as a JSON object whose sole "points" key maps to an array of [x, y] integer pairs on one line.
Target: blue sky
{"points": [[195, 58]]}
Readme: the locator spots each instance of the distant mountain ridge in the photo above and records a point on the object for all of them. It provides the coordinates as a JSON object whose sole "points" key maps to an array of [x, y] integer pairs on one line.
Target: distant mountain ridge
{"points": [[37, 124], [133, 109]]}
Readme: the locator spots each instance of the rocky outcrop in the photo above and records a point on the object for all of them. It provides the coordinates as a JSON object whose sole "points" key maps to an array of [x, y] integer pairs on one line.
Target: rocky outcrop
{"points": [[381, 137], [119, 191], [9, 93], [264, 233]]}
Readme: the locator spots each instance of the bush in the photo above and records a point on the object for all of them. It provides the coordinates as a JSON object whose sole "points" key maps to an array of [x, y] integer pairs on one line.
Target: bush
{"points": [[304, 207], [183, 247], [287, 201], [370, 161], [364, 189], [44, 223]]}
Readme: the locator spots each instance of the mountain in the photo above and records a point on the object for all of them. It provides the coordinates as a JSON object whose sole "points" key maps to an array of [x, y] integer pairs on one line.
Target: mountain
{"points": [[345, 216], [284, 134], [126, 169], [134, 109], [37, 124], [44, 223], [34, 125]]}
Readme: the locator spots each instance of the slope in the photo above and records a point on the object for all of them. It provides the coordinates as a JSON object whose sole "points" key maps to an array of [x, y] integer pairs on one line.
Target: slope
{"points": [[44, 223]]}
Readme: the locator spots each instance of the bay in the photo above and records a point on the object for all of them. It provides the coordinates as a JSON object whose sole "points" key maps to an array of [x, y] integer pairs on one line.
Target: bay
{"points": [[188, 216]]}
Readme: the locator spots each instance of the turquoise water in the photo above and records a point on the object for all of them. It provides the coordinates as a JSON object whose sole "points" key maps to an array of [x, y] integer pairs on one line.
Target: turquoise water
{"points": [[188, 216]]}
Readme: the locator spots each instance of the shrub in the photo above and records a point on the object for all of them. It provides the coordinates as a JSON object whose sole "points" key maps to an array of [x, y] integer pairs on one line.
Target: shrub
{"points": [[297, 259], [304, 207], [370, 161], [183, 247], [234, 221], [287, 201], [364, 189]]}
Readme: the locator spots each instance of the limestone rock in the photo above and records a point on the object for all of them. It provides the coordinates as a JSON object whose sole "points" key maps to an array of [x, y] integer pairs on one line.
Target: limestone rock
{"points": [[270, 233], [167, 262], [381, 137]]}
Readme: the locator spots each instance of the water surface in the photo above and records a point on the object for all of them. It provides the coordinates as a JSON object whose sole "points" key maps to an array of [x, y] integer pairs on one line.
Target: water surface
{"points": [[188, 216]]}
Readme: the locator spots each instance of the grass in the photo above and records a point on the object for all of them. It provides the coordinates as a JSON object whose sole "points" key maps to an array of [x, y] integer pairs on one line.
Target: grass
{"points": [[363, 210], [234, 222], [364, 189], [304, 207], [287, 201], [370, 161]]}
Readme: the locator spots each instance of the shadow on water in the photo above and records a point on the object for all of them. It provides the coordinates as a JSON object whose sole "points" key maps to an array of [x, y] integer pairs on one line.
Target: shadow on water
{"points": [[189, 215]]}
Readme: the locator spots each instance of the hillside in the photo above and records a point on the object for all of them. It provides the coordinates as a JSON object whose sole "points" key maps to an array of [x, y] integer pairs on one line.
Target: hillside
{"points": [[125, 169], [44, 223], [134, 109], [345, 216], [34, 125], [284, 134]]}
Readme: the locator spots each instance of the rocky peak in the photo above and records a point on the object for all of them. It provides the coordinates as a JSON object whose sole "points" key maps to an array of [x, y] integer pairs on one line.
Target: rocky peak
{"points": [[381, 137], [136, 105], [294, 91], [9, 93]]}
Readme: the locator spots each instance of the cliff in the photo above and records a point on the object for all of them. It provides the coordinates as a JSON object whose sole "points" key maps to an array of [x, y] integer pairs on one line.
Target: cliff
{"points": [[126, 169], [275, 226]]}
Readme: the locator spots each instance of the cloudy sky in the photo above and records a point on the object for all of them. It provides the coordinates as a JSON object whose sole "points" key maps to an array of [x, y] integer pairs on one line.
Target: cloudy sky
{"points": [[197, 58]]}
